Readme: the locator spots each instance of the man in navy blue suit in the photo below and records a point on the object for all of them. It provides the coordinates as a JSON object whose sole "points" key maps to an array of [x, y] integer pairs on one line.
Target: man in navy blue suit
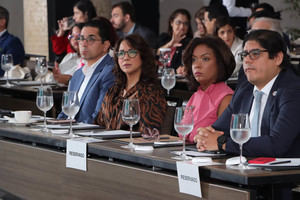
{"points": [[94, 79], [123, 20], [9, 44], [267, 69]]}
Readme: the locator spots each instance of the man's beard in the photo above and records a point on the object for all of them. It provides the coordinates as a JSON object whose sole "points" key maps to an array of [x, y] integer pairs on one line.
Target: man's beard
{"points": [[121, 26]]}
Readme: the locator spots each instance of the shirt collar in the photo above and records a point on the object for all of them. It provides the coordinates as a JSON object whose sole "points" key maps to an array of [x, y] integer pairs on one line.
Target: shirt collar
{"points": [[90, 69], [131, 30], [267, 88]]}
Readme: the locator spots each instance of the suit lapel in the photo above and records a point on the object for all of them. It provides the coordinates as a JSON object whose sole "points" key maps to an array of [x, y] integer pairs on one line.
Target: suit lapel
{"points": [[94, 77], [247, 102], [265, 122]]}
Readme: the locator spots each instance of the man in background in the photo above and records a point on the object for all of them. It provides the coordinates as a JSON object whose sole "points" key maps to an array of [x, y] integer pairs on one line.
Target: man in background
{"points": [[123, 20], [9, 44]]}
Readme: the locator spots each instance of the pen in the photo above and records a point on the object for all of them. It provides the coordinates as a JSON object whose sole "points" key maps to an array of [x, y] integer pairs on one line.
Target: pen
{"points": [[280, 162]]}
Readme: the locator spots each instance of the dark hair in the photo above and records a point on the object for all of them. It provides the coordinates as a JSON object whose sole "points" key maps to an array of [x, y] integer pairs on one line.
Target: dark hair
{"points": [[4, 14], [216, 11], [126, 8], [222, 21], [265, 6], [174, 15], [86, 6], [271, 41], [200, 13], [149, 70], [105, 29], [79, 25], [265, 13], [224, 58]]}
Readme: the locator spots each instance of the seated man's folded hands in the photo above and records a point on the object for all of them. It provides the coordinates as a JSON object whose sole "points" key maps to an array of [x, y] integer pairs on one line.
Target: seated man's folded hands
{"points": [[206, 138]]}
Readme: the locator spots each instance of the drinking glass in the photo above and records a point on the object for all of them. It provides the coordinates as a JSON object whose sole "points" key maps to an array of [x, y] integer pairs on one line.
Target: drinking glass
{"points": [[240, 131], [131, 116], [44, 102], [70, 106], [41, 68], [183, 123], [6, 65], [168, 79], [164, 58]]}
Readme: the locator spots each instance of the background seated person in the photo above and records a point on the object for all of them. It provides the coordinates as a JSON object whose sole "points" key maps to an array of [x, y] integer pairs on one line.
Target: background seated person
{"points": [[178, 36], [209, 63], [226, 31], [136, 77], [83, 11], [94, 79], [9, 44], [268, 70], [199, 20], [63, 71]]}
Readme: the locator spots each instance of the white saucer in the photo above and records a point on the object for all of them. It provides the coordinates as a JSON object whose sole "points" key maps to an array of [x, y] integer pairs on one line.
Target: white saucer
{"points": [[235, 160]]}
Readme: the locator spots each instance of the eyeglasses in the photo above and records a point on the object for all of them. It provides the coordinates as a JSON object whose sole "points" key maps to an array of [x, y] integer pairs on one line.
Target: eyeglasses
{"points": [[90, 39], [131, 53], [76, 37], [178, 22], [253, 54]]}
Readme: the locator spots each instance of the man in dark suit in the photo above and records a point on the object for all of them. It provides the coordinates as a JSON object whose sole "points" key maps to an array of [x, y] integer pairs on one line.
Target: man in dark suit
{"points": [[267, 69], [9, 44], [94, 79], [123, 20]]}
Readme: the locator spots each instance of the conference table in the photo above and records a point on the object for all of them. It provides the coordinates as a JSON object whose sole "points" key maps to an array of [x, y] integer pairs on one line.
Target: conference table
{"points": [[33, 166]]}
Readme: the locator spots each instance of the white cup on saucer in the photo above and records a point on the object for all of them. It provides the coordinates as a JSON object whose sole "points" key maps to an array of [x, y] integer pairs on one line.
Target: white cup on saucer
{"points": [[23, 116]]}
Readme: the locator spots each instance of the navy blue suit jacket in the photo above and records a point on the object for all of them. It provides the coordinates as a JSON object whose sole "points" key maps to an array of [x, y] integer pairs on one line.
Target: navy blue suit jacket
{"points": [[91, 100], [10, 44], [280, 126]]}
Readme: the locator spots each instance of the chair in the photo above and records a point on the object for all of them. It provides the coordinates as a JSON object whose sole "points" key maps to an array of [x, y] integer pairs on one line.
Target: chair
{"points": [[168, 123]]}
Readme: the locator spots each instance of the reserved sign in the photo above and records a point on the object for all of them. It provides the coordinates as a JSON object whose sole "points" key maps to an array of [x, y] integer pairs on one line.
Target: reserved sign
{"points": [[188, 178], [76, 154]]}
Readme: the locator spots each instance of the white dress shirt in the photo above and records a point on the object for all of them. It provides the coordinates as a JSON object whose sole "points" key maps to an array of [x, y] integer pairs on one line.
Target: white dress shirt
{"points": [[236, 11], [266, 90], [88, 72]]}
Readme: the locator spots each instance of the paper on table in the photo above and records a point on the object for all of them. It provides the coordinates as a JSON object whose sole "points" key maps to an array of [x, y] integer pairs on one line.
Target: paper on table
{"points": [[197, 154], [74, 126], [105, 133]]}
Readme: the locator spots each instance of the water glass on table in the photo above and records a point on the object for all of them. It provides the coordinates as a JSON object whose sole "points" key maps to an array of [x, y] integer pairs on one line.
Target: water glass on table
{"points": [[6, 65], [131, 116], [70, 106], [240, 132], [44, 102], [183, 124], [41, 68], [168, 79]]}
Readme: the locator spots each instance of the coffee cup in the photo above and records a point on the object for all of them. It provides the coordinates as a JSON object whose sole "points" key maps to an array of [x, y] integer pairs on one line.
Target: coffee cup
{"points": [[23, 116]]}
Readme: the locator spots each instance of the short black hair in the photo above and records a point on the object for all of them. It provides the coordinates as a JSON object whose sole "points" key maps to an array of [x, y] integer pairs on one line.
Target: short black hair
{"points": [[4, 14], [105, 29], [271, 41], [217, 11], [86, 6], [126, 8]]}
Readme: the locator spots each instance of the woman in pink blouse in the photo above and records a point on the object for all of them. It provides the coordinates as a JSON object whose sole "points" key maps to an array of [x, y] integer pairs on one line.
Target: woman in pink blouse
{"points": [[209, 62]]}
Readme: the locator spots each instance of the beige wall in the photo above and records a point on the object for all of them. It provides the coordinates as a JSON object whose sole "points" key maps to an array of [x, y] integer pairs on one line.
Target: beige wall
{"points": [[102, 7], [36, 27]]}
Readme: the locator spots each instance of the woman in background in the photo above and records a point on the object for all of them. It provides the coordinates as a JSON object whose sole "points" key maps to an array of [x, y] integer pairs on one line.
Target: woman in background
{"points": [[136, 77], [226, 31], [209, 64], [84, 11], [178, 36]]}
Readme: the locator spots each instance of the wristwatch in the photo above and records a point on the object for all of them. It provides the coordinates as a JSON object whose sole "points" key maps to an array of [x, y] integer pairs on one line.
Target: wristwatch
{"points": [[221, 140]]}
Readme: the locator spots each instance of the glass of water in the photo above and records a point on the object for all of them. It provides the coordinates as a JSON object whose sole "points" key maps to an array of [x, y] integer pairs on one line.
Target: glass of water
{"points": [[70, 106], [6, 65], [183, 124], [240, 131], [44, 102], [41, 68], [168, 79], [131, 116], [164, 58]]}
